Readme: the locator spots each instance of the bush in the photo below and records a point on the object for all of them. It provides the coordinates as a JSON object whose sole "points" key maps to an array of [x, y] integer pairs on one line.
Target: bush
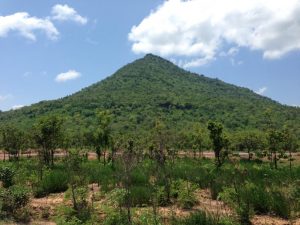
{"points": [[115, 215], [162, 197], [148, 218], [14, 198], [140, 195], [240, 199], [280, 205], [185, 193], [22, 215], [260, 199], [115, 218], [197, 218], [54, 181], [6, 176], [14, 201]]}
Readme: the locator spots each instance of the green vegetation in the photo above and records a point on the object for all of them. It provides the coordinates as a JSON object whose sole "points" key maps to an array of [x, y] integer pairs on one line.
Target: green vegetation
{"points": [[248, 188], [148, 126], [151, 88]]}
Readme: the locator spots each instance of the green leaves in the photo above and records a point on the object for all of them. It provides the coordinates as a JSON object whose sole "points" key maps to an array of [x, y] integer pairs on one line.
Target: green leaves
{"points": [[153, 87]]}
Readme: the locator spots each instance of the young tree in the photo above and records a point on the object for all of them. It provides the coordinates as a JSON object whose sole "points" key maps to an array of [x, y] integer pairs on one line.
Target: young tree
{"points": [[77, 185], [102, 136], [250, 141], [219, 141], [13, 141], [128, 163], [48, 136], [198, 140], [275, 139], [159, 149], [289, 143]]}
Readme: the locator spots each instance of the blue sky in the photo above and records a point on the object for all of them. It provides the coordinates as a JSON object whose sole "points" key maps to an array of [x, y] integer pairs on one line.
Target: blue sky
{"points": [[49, 49]]}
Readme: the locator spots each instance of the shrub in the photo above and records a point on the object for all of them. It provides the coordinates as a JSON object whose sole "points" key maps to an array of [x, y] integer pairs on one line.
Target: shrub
{"points": [[6, 176], [162, 197], [185, 193], [22, 215], [116, 218], [116, 197], [280, 205], [199, 217], [54, 181], [14, 201], [15, 197], [140, 195], [115, 215], [148, 218], [239, 198]]}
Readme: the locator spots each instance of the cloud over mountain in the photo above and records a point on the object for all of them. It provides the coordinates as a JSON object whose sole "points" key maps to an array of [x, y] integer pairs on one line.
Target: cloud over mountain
{"points": [[70, 75], [198, 30]]}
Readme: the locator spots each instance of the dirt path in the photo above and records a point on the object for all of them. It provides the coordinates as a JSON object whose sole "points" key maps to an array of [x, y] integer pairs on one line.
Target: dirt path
{"points": [[93, 155]]}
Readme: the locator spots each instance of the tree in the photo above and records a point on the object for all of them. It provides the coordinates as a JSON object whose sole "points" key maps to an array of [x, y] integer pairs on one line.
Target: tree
{"points": [[128, 163], [48, 136], [102, 136], [250, 141], [275, 139], [198, 140], [289, 143], [160, 156], [78, 188], [219, 141], [13, 141]]}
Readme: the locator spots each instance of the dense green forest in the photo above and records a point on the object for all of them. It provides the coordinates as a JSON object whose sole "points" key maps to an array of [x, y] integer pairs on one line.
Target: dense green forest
{"points": [[153, 88]]}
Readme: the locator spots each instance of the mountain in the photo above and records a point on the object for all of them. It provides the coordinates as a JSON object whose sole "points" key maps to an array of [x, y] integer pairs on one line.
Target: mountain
{"points": [[153, 88]]}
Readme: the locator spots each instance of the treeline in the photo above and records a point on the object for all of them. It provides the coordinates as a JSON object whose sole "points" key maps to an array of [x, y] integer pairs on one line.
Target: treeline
{"points": [[50, 133]]}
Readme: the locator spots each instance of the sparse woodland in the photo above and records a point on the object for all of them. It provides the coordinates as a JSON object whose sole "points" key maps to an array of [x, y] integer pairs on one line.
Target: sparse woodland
{"points": [[162, 178]]}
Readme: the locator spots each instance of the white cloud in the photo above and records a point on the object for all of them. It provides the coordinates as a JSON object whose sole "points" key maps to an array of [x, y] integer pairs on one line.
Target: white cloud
{"points": [[198, 30], [70, 75], [262, 90], [26, 26], [27, 74], [15, 107], [67, 13], [5, 97]]}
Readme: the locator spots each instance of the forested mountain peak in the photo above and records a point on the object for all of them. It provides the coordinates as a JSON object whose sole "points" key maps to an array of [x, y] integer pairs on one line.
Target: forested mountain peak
{"points": [[151, 88]]}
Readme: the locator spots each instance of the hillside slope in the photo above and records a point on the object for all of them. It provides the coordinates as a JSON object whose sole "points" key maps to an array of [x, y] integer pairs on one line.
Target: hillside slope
{"points": [[153, 87]]}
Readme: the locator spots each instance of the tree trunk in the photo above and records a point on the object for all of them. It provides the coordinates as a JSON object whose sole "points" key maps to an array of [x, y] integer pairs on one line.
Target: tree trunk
{"points": [[290, 153], [74, 198], [104, 157], [52, 157], [217, 156], [275, 160], [98, 152]]}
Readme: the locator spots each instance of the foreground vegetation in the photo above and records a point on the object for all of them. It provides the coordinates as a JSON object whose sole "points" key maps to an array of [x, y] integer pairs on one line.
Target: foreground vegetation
{"points": [[137, 176], [133, 190]]}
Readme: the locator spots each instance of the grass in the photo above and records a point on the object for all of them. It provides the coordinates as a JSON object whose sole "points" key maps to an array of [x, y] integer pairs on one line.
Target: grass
{"points": [[270, 191]]}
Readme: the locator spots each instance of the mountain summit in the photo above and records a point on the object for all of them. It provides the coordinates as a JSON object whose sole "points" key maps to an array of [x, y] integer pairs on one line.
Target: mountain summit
{"points": [[151, 88]]}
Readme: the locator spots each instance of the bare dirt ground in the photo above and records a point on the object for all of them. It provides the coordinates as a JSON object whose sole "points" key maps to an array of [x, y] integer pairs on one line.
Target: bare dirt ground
{"points": [[93, 155]]}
